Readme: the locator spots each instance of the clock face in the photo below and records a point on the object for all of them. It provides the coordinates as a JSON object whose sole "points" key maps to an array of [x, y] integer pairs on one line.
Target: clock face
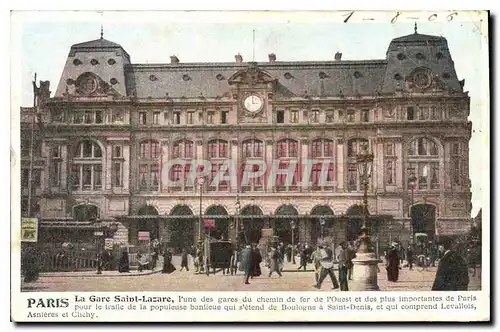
{"points": [[253, 103]]}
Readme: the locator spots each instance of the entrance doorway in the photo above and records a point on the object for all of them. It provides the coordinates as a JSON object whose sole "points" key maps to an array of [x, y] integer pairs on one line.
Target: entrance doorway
{"points": [[321, 212], [423, 219], [221, 217], [286, 216], [181, 228], [253, 223]]}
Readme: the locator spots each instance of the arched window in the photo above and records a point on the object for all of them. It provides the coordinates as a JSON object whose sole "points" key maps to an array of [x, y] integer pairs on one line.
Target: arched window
{"points": [[217, 150], [86, 171], [423, 164], [322, 149], [252, 150], [288, 150], [355, 146], [149, 165], [183, 149]]}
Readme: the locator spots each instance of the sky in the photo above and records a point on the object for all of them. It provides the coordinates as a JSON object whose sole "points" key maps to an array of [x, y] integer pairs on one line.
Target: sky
{"points": [[41, 42]]}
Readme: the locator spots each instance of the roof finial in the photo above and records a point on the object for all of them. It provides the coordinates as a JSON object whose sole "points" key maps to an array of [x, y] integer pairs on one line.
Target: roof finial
{"points": [[416, 27], [102, 32]]}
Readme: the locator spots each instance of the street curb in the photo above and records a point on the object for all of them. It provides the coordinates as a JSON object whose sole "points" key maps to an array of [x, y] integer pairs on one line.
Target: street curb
{"points": [[81, 275]]}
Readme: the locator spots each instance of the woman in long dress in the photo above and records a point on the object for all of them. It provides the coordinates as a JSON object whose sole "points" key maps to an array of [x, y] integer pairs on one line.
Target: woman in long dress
{"points": [[168, 267], [392, 264], [256, 260]]}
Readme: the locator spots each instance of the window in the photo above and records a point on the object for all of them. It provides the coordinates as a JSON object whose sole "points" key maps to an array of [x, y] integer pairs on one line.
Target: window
{"points": [[117, 116], [117, 174], [329, 116], [423, 113], [389, 149], [78, 117], [98, 117], [156, 118], [217, 148], [149, 165], [282, 179], [390, 172], [294, 116], [365, 115], [88, 117], [183, 149], [253, 149], [223, 117], [322, 148], [341, 115], [435, 113], [117, 151], [456, 162], [352, 178], [287, 148], [210, 117], [410, 113], [55, 166], [86, 171], [177, 118], [315, 116], [149, 149], [280, 116], [142, 118], [190, 117], [423, 159], [351, 115], [57, 115], [355, 146], [422, 147]]}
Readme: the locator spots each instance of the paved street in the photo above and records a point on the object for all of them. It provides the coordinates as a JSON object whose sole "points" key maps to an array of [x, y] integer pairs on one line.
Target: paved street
{"points": [[416, 279]]}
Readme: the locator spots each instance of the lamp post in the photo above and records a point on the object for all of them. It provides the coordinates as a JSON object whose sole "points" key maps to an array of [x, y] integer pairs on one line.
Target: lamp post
{"points": [[237, 221], [292, 224], [97, 234], [322, 224], [412, 181], [201, 181], [366, 262]]}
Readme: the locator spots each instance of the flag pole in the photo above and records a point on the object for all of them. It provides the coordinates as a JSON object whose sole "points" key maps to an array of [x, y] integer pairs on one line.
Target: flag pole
{"points": [[32, 139]]}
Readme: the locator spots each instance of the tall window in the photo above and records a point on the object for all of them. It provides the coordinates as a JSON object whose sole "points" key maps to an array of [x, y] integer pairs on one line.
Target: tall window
{"points": [[55, 166], [329, 116], [322, 148], [287, 148], [117, 168], [390, 164], [252, 149], [355, 146], [315, 116], [423, 163], [88, 117], [351, 115], [183, 149], [86, 171], [149, 177], [456, 160], [217, 148]]}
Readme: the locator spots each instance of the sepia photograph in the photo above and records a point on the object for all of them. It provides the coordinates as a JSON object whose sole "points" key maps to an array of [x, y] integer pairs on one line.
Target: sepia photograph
{"points": [[250, 152]]}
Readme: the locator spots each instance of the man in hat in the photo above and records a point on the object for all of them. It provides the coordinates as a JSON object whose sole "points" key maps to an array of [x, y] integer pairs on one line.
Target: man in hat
{"points": [[452, 273], [326, 262], [392, 263]]}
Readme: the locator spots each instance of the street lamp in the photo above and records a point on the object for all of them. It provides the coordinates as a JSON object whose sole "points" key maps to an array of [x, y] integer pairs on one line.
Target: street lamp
{"points": [[98, 233], [412, 182], [322, 223], [237, 221], [201, 181], [292, 224], [366, 262]]}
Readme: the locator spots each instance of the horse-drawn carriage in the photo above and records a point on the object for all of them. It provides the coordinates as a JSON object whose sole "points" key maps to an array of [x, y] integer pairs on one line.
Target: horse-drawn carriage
{"points": [[218, 254]]}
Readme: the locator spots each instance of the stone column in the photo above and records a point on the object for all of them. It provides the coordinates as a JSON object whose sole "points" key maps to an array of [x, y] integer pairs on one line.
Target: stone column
{"points": [[64, 167], [269, 155], [379, 170], [234, 160], [303, 156], [340, 165], [399, 164]]}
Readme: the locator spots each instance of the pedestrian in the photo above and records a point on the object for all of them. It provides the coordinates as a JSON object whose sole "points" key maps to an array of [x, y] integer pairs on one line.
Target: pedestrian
{"points": [[155, 252], [409, 257], [316, 258], [289, 253], [304, 258], [168, 267], [256, 260], [326, 262], [392, 263], [452, 272], [123, 264], [143, 262], [344, 259], [246, 263], [184, 260], [274, 261]]}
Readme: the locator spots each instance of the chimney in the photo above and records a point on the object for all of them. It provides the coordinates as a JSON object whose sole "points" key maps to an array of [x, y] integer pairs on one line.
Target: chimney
{"points": [[174, 60], [338, 56], [238, 58], [272, 58]]}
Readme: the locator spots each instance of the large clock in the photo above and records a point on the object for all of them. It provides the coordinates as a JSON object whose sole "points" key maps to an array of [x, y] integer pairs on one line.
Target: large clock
{"points": [[253, 103]]}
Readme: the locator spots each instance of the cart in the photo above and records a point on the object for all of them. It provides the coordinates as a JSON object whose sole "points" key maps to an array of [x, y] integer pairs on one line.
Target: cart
{"points": [[217, 255]]}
